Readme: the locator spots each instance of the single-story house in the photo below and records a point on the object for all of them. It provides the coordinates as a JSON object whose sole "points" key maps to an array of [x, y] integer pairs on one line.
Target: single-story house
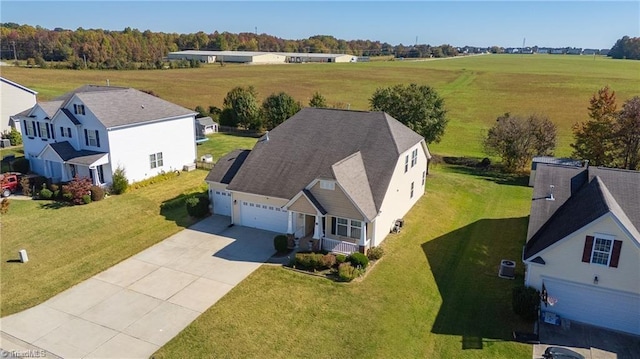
{"points": [[583, 245], [14, 98], [340, 178], [93, 130], [205, 126]]}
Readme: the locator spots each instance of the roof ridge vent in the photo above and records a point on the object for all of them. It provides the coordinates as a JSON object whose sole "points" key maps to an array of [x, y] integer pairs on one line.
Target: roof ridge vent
{"points": [[550, 197]]}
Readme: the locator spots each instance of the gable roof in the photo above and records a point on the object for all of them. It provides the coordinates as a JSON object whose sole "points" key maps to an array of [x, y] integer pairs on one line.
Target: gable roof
{"points": [[352, 176], [581, 195], [17, 85], [118, 106], [205, 121], [307, 145], [227, 166]]}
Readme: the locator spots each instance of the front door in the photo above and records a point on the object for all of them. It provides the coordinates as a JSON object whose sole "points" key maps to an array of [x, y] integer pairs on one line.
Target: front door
{"points": [[309, 225]]}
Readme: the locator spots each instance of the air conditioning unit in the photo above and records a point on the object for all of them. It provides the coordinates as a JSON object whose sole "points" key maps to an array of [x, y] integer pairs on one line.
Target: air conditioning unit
{"points": [[207, 158], [507, 269]]}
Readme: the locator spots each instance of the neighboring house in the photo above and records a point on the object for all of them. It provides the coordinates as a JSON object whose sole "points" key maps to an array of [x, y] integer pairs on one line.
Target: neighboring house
{"points": [[92, 130], [583, 244], [335, 176], [205, 126], [15, 98]]}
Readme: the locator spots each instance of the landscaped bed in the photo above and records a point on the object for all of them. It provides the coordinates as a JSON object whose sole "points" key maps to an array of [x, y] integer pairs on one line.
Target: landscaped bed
{"points": [[335, 266]]}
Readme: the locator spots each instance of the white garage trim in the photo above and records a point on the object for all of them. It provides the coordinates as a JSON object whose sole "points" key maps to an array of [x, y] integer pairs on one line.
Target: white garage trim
{"points": [[221, 202], [263, 216], [594, 305]]}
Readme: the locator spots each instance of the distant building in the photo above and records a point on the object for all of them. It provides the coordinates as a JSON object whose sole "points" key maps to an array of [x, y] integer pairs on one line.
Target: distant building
{"points": [[15, 99], [255, 57], [574, 51]]}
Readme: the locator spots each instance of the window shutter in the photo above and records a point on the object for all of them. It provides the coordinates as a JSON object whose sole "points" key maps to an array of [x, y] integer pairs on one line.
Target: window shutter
{"points": [[26, 130], [38, 127], [52, 131], [97, 138], [69, 132], [615, 255], [588, 246], [86, 138], [61, 131], [333, 225]]}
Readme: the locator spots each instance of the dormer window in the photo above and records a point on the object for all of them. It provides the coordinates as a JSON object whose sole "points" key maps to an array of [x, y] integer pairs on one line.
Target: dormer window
{"points": [[78, 109], [329, 185]]}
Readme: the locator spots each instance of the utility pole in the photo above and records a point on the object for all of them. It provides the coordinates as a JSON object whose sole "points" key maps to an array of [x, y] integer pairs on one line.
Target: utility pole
{"points": [[15, 55]]}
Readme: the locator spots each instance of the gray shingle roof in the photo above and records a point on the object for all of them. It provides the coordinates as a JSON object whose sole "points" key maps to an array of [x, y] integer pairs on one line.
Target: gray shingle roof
{"points": [[70, 154], [227, 166], [120, 106], [50, 107], [581, 196], [352, 176], [307, 145], [205, 121]]}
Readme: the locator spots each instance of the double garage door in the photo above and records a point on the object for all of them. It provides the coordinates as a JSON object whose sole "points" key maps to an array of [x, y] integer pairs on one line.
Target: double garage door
{"points": [[263, 216], [593, 305]]}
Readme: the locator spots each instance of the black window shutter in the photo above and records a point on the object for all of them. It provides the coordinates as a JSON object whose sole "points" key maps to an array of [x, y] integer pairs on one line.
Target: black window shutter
{"points": [[25, 127], [615, 255], [86, 137], [333, 225], [61, 131], [586, 252], [69, 132], [52, 131], [97, 138]]}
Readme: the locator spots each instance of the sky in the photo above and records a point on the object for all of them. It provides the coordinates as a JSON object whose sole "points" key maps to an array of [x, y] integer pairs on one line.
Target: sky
{"points": [[586, 24]]}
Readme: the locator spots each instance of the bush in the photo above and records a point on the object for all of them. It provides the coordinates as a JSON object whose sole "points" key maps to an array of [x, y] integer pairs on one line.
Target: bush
{"points": [[119, 181], [97, 193], [45, 194], [197, 206], [358, 259], [14, 137], [67, 196], [86, 199], [54, 187], [21, 165], [347, 272], [26, 186], [526, 302], [310, 261], [341, 258], [280, 243], [4, 206], [375, 253], [78, 188], [328, 260]]}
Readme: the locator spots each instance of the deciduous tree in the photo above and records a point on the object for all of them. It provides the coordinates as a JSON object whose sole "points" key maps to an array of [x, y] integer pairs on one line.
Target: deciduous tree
{"points": [[517, 139], [594, 138], [419, 107], [317, 100], [277, 108], [627, 136], [241, 108]]}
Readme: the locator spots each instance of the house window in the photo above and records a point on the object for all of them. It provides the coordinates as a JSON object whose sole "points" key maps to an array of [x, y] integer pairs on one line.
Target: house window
{"points": [[411, 195], [91, 138], [155, 159], [406, 163], [347, 227], [424, 177], [78, 109], [601, 251], [44, 130], [330, 185], [414, 157], [30, 129]]}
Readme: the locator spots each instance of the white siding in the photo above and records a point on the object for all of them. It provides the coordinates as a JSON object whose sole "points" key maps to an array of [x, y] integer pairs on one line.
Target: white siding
{"points": [[397, 201], [13, 100], [131, 147]]}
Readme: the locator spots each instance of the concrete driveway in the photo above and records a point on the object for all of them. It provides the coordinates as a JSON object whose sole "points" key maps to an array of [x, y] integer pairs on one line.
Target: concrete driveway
{"points": [[589, 341], [133, 308]]}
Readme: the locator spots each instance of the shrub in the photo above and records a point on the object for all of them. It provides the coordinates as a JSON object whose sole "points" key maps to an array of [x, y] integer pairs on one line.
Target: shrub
{"points": [[197, 206], [347, 272], [56, 194], [309, 261], [526, 302], [280, 243], [26, 186], [119, 181], [86, 199], [375, 253], [358, 259], [14, 137], [45, 194], [78, 188], [67, 196], [21, 165], [54, 187], [341, 258], [97, 193], [328, 260], [155, 179], [4, 206]]}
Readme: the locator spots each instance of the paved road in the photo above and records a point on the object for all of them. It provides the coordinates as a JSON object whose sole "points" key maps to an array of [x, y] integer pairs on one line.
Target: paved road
{"points": [[136, 306]]}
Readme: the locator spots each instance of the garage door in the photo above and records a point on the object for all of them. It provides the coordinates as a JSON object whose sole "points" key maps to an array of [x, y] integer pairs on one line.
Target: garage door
{"points": [[263, 216], [605, 308], [222, 203]]}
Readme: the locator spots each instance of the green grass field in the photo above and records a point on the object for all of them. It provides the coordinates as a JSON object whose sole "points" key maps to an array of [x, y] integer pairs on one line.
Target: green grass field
{"points": [[435, 294], [477, 89]]}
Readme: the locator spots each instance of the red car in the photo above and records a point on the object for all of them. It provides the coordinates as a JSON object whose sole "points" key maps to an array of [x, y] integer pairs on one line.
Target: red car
{"points": [[10, 183]]}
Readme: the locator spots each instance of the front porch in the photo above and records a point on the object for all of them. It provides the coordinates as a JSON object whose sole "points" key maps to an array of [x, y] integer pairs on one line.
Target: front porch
{"points": [[62, 163], [308, 233]]}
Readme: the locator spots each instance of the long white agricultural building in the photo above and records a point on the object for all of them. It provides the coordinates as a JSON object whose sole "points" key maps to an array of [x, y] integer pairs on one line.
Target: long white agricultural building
{"points": [[258, 57]]}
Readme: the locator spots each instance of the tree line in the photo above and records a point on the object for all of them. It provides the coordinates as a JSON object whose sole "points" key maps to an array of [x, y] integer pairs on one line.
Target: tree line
{"points": [[97, 48], [419, 107], [626, 48], [609, 138]]}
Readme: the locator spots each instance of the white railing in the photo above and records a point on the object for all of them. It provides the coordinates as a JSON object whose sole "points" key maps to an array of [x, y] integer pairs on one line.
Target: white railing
{"points": [[333, 245]]}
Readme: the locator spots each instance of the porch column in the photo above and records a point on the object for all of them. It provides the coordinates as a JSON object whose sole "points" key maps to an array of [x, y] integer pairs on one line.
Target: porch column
{"points": [[290, 223], [96, 180], [363, 238], [317, 230]]}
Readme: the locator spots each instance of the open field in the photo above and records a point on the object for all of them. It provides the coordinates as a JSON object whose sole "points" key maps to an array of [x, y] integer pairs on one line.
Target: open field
{"points": [[477, 89], [435, 294]]}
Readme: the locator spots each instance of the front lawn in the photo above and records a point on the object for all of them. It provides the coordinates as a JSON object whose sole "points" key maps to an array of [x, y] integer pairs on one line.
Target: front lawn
{"points": [[435, 293], [67, 245]]}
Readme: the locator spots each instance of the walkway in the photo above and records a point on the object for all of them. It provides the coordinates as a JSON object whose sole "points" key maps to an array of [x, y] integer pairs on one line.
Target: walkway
{"points": [[136, 306]]}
